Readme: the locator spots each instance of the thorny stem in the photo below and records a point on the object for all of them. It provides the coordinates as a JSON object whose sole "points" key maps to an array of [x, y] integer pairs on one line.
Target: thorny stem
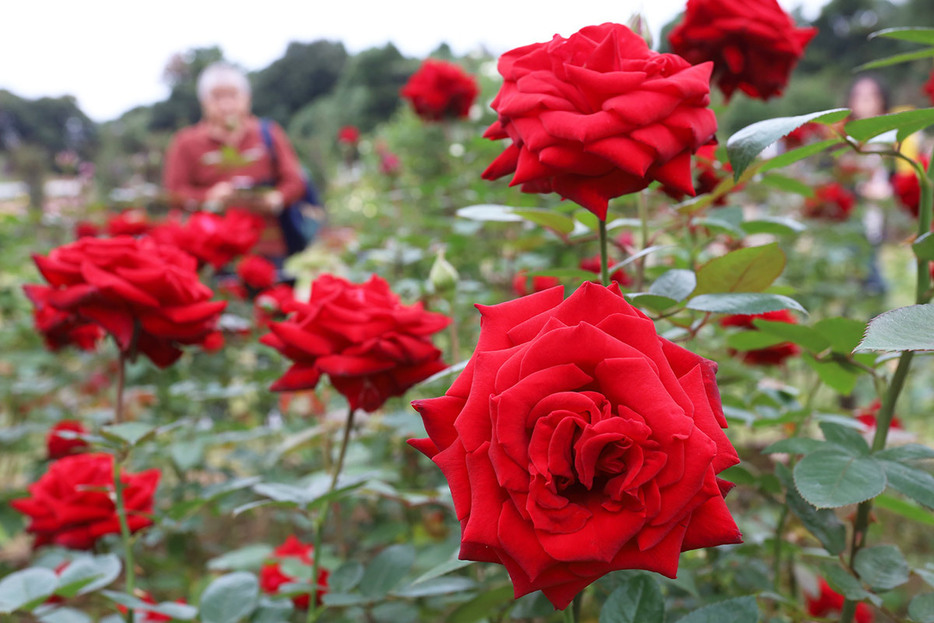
{"points": [[604, 259], [313, 611]]}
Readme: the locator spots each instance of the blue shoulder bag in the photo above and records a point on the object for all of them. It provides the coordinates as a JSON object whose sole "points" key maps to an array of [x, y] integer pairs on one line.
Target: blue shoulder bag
{"points": [[300, 221]]}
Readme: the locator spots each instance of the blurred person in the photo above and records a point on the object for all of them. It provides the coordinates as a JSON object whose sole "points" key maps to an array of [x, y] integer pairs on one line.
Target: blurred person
{"points": [[223, 161]]}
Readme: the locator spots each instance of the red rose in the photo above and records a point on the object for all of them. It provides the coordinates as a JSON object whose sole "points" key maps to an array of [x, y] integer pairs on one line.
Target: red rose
{"points": [[577, 442], [146, 295], [620, 276], [133, 222], [271, 576], [58, 446], [270, 304], [929, 88], [71, 505], [148, 616], [906, 188], [86, 229], [867, 415], [520, 283], [440, 90], [831, 202], [60, 328], [710, 172], [370, 345], [349, 135], [829, 603], [257, 272], [770, 355], [753, 44], [214, 239], [803, 134], [599, 115]]}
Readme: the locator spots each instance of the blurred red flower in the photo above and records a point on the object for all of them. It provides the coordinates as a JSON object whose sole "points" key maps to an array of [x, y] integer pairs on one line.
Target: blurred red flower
{"points": [[271, 576], [620, 276], [86, 229], [256, 272], [770, 355], [58, 446], [440, 90], [709, 172], [214, 239], [71, 505], [520, 283], [831, 202], [829, 603], [599, 115], [348, 135], [270, 304], [929, 87], [369, 344], [906, 188], [754, 44], [146, 295], [132, 222], [60, 328]]}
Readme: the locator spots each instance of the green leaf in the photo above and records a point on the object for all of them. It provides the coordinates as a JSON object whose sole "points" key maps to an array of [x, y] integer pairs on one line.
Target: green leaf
{"points": [[906, 122], [743, 147], [444, 568], [907, 452], [845, 437], [799, 153], [346, 577], [87, 574], [895, 59], [795, 445], [578, 274], [788, 184], [905, 328], [229, 598], [806, 336], [847, 585], [25, 589], [831, 477], [921, 608], [776, 225], [743, 303], [915, 35], [737, 610], [638, 600], [247, 558], [842, 333], [635, 256], [752, 340], [436, 586], [181, 612], [823, 523], [651, 301], [64, 615], [130, 433], [904, 508], [717, 224], [839, 377], [923, 246], [489, 212], [911, 481], [387, 570], [675, 284], [480, 607], [751, 269], [555, 221], [882, 567]]}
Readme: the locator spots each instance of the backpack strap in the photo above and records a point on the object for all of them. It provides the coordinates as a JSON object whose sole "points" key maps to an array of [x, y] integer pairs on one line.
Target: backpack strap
{"points": [[270, 147]]}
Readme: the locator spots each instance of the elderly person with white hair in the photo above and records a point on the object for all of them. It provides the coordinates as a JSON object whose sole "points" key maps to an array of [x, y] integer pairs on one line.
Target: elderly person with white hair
{"points": [[223, 160]]}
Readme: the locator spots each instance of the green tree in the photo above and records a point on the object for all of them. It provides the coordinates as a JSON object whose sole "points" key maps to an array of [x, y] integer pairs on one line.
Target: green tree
{"points": [[182, 108]]}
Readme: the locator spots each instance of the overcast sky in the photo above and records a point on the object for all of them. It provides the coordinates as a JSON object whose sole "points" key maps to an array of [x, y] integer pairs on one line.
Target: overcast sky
{"points": [[110, 54]]}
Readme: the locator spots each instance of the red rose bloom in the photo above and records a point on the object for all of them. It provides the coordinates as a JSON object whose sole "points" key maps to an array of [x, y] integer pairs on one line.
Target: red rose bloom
{"points": [[440, 90], [599, 115], [620, 276], [710, 172], [771, 355], [577, 442], [60, 328], [929, 88], [148, 616], [214, 239], [257, 272], [754, 45], [271, 576], [71, 505], [133, 222], [58, 446], [831, 202], [520, 283], [369, 344], [86, 229], [146, 295], [348, 135], [906, 188], [867, 415], [829, 603], [270, 305]]}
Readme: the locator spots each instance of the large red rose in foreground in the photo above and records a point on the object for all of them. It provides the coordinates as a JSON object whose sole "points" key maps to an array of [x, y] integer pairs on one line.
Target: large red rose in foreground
{"points": [[71, 505], [599, 115], [147, 295], [577, 442], [271, 576], [754, 44], [369, 344], [440, 90]]}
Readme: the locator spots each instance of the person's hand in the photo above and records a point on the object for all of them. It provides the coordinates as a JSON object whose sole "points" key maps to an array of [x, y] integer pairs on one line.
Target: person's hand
{"points": [[272, 201], [220, 192]]}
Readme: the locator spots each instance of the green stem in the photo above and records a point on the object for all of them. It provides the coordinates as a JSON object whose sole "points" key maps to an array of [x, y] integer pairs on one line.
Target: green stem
{"points": [[570, 612], [313, 611], [120, 503], [604, 256], [644, 229], [887, 410], [121, 382]]}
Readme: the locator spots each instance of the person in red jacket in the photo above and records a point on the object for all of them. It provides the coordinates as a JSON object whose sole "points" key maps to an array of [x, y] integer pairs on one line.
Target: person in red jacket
{"points": [[222, 161]]}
